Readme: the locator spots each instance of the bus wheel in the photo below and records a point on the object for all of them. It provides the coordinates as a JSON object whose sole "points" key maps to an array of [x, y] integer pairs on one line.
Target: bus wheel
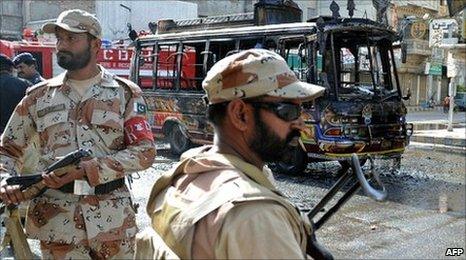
{"points": [[179, 141], [294, 163]]}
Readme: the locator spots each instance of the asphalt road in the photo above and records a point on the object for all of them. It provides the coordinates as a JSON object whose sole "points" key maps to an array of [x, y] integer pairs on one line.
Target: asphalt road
{"points": [[407, 225]]}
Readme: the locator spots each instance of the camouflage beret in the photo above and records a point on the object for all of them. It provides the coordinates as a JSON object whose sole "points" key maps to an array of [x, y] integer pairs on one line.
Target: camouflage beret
{"points": [[253, 73], [77, 21]]}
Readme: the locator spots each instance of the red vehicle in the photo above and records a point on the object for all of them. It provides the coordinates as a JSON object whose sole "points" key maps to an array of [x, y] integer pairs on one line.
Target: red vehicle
{"points": [[43, 52], [116, 59]]}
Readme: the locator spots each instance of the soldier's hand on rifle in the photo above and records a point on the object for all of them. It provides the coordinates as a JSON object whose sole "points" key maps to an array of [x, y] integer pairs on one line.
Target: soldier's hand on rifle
{"points": [[62, 176], [10, 194]]}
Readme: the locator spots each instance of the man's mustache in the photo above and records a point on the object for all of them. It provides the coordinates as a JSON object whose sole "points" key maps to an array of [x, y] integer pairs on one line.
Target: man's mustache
{"points": [[64, 53]]}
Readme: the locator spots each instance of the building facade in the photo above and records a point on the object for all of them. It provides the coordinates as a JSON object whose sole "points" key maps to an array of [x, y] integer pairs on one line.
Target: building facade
{"points": [[11, 20]]}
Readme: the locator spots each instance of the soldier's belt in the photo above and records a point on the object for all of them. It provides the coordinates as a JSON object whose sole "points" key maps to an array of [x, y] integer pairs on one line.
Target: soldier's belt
{"points": [[81, 187]]}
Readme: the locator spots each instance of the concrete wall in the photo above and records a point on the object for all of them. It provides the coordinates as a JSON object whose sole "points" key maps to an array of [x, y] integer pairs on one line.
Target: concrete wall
{"points": [[225, 7], [430, 4], [309, 8], [114, 17], [43, 10], [222, 7], [11, 19]]}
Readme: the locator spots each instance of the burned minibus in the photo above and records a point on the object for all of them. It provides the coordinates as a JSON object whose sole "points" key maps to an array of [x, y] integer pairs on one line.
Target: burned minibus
{"points": [[361, 111]]}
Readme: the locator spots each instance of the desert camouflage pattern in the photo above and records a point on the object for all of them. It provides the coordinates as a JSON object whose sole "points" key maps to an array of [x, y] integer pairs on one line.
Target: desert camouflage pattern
{"points": [[61, 121], [253, 73], [77, 21], [120, 249], [218, 206]]}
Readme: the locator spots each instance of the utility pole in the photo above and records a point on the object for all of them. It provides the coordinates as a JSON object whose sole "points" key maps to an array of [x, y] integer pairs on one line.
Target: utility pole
{"points": [[451, 74], [450, 110]]}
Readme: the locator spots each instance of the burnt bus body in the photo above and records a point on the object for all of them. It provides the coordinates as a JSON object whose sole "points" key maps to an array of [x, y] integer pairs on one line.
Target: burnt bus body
{"points": [[361, 112]]}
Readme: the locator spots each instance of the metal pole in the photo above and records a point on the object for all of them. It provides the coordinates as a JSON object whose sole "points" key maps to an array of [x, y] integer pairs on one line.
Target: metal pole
{"points": [[450, 111]]}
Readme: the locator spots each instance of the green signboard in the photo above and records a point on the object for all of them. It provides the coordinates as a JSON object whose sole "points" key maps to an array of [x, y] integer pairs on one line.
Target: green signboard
{"points": [[435, 69]]}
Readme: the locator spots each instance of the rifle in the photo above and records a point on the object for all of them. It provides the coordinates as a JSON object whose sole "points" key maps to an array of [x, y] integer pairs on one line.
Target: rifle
{"points": [[31, 186], [361, 181]]}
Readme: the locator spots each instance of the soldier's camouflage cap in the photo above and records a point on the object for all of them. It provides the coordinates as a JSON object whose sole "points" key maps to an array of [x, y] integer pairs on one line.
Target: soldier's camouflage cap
{"points": [[253, 73], [77, 21]]}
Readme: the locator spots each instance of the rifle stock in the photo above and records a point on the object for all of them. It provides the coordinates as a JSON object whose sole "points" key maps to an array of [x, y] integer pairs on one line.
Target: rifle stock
{"points": [[15, 235]]}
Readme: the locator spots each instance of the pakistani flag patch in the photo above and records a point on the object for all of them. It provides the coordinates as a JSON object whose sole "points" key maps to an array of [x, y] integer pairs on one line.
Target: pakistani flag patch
{"points": [[139, 108]]}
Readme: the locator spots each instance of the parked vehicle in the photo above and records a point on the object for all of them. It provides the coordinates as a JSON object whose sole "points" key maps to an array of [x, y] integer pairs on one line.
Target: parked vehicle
{"points": [[460, 101], [361, 112], [115, 58]]}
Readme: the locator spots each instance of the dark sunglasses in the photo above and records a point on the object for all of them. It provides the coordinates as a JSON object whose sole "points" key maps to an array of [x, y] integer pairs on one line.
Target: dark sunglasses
{"points": [[286, 111]]}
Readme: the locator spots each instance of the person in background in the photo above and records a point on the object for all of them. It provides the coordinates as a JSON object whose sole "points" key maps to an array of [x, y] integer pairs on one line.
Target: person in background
{"points": [[446, 104], [87, 211], [220, 201], [12, 90], [26, 65]]}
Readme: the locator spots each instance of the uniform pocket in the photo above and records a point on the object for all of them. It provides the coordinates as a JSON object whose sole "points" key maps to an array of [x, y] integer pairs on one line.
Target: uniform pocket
{"points": [[55, 118], [109, 126]]}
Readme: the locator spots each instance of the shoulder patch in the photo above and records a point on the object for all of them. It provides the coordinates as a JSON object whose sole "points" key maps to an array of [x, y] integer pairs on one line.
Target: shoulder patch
{"points": [[135, 89], [36, 86]]}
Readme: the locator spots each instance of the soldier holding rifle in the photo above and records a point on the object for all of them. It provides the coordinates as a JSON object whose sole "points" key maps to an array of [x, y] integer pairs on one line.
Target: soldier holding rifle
{"points": [[87, 211]]}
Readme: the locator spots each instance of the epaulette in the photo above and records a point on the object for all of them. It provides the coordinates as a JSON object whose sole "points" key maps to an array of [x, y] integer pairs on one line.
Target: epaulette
{"points": [[135, 89], [36, 86]]}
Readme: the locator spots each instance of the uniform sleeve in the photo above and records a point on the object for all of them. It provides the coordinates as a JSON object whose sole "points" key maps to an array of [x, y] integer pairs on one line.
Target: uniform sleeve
{"points": [[138, 155], [18, 135], [258, 230]]}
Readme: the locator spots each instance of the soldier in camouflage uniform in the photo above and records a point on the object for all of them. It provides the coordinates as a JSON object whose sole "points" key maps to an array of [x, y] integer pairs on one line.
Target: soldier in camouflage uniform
{"points": [[86, 213], [220, 201]]}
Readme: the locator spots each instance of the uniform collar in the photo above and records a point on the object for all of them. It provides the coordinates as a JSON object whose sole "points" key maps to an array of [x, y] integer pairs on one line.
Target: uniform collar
{"points": [[205, 162], [107, 79]]}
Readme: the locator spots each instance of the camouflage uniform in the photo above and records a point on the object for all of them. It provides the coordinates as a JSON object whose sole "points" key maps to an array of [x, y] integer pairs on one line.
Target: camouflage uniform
{"points": [[218, 206], [109, 120]]}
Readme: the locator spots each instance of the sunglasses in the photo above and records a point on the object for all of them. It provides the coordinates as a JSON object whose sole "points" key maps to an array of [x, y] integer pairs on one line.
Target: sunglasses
{"points": [[286, 111]]}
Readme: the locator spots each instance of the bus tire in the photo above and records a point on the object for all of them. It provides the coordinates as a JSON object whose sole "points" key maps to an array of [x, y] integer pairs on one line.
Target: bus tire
{"points": [[179, 140], [294, 164]]}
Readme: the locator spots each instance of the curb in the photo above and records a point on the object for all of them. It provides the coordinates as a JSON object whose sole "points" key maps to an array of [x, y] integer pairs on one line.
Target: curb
{"points": [[437, 147], [419, 108], [461, 143], [435, 126]]}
